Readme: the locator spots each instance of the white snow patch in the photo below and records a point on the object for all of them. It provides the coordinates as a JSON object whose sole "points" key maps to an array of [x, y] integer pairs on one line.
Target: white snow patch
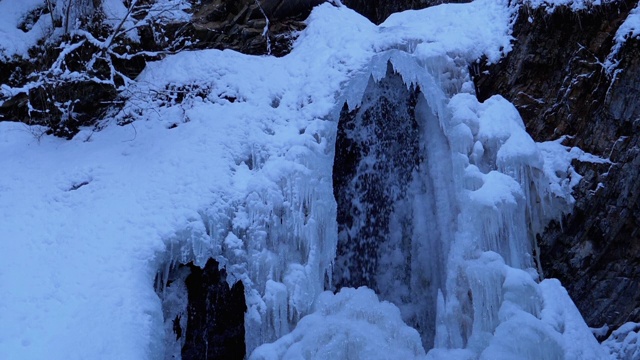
{"points": [[352, 324], [13, 40], [624, 342]]}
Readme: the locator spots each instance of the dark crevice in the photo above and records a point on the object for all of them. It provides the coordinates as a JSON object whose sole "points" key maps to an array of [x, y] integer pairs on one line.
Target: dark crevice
{"points": [[215, 324], [204, 315]]}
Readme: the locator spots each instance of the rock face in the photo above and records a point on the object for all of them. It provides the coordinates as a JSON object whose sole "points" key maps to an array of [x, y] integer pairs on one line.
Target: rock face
{"points": [[215, 325], [377, 150], [378, 10], [556, 77], [249, 26]]}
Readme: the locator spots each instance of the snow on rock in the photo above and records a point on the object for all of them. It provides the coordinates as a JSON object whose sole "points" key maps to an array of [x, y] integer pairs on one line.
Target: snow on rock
{"points": [[477, 29], [19, 31], [629, 29], [624, 342], [574, 5], [352, 324]]}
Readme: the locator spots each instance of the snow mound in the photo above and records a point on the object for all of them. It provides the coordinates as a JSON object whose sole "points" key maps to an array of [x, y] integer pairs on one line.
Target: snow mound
{"points": [[624, 342], [522, 319], [352, 324]]}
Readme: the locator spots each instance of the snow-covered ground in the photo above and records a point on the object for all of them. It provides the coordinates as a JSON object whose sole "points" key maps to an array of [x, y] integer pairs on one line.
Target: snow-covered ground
{"points": [[240, 169]]}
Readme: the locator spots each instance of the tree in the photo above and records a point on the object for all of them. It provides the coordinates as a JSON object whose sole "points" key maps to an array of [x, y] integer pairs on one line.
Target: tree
{"points": [[77, 73]]}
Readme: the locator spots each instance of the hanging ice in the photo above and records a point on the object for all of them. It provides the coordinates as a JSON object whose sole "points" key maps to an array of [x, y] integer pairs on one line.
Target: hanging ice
{"points": [[452, 242], [439, 201]]}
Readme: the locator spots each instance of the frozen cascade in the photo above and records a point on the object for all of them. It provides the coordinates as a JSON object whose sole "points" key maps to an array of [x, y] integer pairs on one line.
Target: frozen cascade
{"points": [[278, 242], [438, 206], [447, 197], [272, 228], [439, 198]]}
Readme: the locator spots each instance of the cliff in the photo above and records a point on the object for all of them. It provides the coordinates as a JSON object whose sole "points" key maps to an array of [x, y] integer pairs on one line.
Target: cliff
{"points": [[565, 79]]}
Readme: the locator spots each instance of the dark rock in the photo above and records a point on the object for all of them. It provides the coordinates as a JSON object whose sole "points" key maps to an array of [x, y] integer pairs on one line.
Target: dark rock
{"points": [[215, 325], [240, 25], [378, 10], [377, 151], [556, 78]]}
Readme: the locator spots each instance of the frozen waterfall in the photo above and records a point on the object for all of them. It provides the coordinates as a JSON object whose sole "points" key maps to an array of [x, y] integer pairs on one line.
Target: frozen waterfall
{"points": [[439, 201], [384, 172]]}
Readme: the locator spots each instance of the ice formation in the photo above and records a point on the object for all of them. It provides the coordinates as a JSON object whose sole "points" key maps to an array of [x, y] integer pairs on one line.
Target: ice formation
{"points": [[480, 193], [476, 200], [352, 324], [229, 156]]}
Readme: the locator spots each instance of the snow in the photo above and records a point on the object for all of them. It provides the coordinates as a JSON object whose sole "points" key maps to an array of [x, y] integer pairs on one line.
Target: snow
{"points": [[629, 29], [477, 29], [75, 274], [114, 11], [229, 156], [574, 5], [557, 165], [19, 32], [623, 343], [352, 324], [13, 40], [560, 312]]}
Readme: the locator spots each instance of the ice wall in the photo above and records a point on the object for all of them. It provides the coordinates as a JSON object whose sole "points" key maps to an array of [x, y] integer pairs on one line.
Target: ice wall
{"points": [[278, 240], [445, 228], [270, 221]]}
